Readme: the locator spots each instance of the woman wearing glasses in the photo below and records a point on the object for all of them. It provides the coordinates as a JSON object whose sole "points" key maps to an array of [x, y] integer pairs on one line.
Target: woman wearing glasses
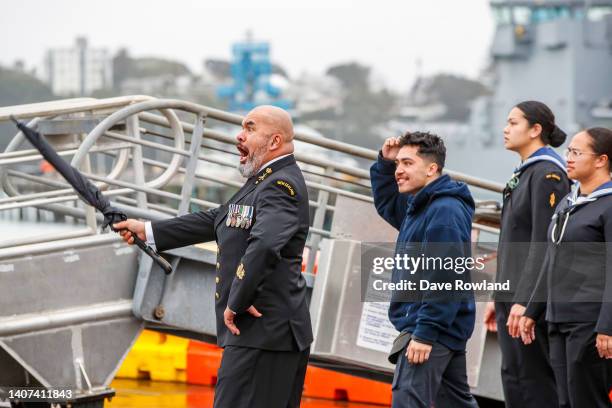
{"points": [[529, 200], [577, 278]]}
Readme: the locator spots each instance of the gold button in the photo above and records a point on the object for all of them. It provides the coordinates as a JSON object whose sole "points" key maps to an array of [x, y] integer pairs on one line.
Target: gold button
{"points": [[217, 295], [216, 279], [218, 265]]}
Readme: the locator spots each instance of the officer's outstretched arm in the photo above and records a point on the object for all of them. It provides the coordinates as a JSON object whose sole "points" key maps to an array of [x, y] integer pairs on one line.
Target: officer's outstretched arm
{"points": [[276, 222], [185, 230]]}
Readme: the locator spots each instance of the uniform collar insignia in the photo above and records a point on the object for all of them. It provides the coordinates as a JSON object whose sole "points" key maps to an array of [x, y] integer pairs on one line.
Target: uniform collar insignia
{"points": [[271, 168]]}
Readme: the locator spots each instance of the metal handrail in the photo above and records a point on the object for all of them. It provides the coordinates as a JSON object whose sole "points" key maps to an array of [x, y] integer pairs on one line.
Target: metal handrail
{"points": [[68, 106], [137, 109], [332, 145]]}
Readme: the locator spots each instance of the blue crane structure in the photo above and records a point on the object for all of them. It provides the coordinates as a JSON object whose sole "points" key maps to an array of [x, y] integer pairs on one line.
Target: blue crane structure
{"points": [[251, 69]]}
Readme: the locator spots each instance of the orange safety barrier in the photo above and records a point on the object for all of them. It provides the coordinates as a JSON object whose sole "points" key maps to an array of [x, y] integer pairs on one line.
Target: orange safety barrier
{"points": [[203, 361], [327, 384]]}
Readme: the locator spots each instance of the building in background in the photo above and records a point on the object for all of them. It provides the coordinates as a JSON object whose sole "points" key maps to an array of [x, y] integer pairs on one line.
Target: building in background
{"points": [[79, 70]]}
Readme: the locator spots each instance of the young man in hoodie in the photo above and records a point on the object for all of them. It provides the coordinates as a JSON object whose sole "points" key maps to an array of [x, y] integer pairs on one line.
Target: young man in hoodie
{"points": [[431, 210]]}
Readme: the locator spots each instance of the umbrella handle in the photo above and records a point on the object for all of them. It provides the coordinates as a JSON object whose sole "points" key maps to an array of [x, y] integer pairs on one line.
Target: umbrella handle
{"points": [[165, 265]]}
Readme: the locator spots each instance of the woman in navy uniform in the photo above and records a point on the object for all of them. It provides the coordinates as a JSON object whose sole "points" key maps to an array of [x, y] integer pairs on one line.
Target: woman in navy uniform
{"points": [[529, 200], [577, 278]]}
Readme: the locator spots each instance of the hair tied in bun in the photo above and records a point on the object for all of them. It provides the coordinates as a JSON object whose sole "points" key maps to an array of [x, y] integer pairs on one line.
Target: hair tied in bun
{"points": [[557, 137]]}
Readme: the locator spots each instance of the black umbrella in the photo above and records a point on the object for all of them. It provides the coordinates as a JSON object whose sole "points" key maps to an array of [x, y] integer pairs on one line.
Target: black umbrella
{"points": [[86, 190]]}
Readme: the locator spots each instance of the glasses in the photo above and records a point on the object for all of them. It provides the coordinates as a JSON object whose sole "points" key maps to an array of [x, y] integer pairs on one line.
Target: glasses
{"points": [[575, 153]]}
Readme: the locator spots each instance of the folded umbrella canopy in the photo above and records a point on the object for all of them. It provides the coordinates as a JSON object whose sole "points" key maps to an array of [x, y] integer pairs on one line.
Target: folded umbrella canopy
{"points": [[86, 190]]}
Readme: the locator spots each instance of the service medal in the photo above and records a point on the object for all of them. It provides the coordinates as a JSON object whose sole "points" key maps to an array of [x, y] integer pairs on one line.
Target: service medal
{"points": [[228, 222]]}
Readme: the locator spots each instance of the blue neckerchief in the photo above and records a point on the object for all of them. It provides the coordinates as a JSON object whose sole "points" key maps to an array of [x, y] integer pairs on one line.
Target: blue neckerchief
{"points": [[576, 200]]}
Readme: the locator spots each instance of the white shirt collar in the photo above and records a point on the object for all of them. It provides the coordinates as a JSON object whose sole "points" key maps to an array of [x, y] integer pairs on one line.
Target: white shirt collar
{"points": [[273, 160]]}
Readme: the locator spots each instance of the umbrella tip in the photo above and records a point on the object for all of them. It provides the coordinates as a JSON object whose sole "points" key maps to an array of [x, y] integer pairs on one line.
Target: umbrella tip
{"points": [[14, 119]]}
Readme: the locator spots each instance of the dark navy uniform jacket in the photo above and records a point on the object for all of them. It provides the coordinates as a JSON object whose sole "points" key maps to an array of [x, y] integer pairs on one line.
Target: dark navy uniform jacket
{"points": [[577, 273], [260, 265], [526, 213]]}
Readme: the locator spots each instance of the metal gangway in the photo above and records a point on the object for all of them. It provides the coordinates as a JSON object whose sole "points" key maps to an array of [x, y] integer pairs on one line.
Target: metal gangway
{"points": [[74, 302]]}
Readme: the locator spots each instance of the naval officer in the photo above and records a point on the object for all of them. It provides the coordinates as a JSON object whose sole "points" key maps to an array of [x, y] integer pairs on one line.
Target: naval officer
{"points": [[263, 322]]}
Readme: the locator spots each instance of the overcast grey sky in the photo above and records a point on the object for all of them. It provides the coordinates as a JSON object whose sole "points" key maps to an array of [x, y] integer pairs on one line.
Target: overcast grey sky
{"points": [[309, 35]]}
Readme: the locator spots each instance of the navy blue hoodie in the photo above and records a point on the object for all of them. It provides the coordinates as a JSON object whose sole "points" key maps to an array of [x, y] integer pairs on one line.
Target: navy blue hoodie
{"points": [[441, 212]]}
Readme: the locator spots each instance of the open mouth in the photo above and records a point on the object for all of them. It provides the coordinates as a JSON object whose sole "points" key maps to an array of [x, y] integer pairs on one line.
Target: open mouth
{"points": [[244, 153]]}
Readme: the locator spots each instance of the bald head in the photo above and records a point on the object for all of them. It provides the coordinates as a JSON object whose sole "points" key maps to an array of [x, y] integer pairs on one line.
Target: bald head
{"points": [[267, 133], [278, 120]]}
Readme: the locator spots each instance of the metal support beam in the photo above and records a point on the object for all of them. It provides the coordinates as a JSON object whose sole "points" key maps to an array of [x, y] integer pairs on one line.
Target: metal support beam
{"points": [[16, 325], [317, 223], [192, 164], [133, 129]]}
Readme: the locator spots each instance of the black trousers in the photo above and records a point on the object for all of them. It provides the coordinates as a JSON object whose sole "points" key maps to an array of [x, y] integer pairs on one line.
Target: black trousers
{"points": [[583, 377], [253, 378], [527, 376], [441, 381]]}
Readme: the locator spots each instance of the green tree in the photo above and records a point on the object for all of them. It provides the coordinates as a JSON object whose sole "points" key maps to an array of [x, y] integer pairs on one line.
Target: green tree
{"points": [[454, 92], [18, 87], [352, 76], [363, 109], [124, 67]]}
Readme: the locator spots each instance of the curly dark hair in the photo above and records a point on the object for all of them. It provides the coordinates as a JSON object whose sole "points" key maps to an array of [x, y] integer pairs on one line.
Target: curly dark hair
{"points": [[430, 146]]}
